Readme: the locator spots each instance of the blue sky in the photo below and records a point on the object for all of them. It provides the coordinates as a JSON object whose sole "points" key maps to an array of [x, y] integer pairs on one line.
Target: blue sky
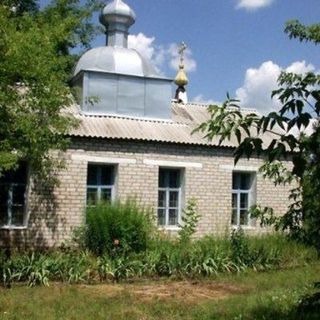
{"points": [[234, 45]]}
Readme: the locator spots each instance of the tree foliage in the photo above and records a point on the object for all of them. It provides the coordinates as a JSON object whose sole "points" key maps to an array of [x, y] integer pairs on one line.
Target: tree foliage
{"points": [[19, 7], [35, 63], [304, 33], [299, 95]]}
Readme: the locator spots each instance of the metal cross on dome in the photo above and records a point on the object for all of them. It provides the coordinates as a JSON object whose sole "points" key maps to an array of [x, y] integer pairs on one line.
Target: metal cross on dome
{"points": [[181, 49]]}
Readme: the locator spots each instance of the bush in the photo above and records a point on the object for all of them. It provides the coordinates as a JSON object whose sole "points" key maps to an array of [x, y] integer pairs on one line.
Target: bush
{"points": [[118, 228]]}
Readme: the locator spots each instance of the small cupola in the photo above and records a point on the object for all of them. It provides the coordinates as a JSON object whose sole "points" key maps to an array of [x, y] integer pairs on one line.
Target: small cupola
{"points": [[117, 17], [115, 80], [181, 79]]}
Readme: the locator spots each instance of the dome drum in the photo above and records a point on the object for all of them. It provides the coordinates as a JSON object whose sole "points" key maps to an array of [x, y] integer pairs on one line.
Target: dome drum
{"points": [[101, 93]]}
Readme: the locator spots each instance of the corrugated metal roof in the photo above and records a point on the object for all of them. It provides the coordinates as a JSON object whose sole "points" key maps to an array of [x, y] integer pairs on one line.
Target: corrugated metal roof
{"points": [[185, 118]]}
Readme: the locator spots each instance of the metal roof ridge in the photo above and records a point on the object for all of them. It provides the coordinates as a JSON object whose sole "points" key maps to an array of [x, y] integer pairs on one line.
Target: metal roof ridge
{"points": [[199, 104], [124, 117]]}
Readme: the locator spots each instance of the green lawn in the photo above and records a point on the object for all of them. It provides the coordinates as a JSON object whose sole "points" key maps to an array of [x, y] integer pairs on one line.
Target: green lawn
{"points": [[270, 295]]}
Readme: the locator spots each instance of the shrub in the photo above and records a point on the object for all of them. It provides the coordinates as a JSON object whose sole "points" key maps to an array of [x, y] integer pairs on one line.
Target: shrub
{"points": [[190, 220], [118, 228], [239, 247]]}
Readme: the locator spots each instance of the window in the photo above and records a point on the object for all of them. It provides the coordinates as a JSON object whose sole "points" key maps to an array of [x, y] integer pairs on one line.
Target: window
{"points": [[100, 183], [13, 197], [169, 197], [242, 198]]}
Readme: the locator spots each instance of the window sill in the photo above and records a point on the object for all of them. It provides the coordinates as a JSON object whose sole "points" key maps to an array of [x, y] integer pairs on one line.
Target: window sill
{"points": [[13, 228], [169, 228], [243, 227]]}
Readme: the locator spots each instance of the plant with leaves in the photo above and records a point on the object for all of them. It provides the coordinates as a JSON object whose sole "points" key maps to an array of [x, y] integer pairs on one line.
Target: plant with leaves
{"points": [[35, 64], [118, 228], [190, 219], [299, 96]]}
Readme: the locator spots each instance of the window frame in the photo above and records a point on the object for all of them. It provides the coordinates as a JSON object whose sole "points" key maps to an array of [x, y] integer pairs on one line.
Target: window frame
{"points": [[251, 199], [167, 207], [100, 187], [10, 204]]}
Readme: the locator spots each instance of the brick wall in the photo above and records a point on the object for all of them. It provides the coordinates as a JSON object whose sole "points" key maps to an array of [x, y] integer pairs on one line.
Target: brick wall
{"points": [[53, 214]]}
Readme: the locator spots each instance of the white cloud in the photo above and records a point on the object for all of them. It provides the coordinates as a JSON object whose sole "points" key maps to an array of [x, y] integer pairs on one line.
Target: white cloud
{"points": [[202, 100], [146, 46], [300, 67], [252, 5], [260, 82], [161, 56], [173, 53], [142, 44]]}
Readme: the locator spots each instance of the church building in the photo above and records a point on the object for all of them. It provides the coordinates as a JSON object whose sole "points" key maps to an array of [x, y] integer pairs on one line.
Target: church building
{"points": [[135, 140]]}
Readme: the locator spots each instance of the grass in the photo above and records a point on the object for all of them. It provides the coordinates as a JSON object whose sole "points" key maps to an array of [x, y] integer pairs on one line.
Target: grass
{"points": [[249, 295]]}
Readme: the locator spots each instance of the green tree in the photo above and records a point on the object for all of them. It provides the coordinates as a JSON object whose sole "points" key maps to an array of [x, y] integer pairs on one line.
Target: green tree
{"points": [[35, 62], [18, 7], [299, 95]]}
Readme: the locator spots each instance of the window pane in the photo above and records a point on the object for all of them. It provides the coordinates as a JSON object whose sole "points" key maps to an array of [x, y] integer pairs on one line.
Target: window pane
{"points": [[241, 181], [244, 201], [17, 212], [174, 178], [244, 217], [162, 178], [106, 195], [234, 219], [20, 175], [245, 181], [235, 181], [106, 175], [173, 217], [18, 195], [169, 178], [161, 217], [92, 177], [4, 189], [3, 214], [234, 200], [174, 199], [162, 199], [92, 196]]}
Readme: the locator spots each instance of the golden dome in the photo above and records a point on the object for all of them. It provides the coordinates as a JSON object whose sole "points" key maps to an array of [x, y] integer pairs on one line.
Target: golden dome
{"points": [[181, 77]]}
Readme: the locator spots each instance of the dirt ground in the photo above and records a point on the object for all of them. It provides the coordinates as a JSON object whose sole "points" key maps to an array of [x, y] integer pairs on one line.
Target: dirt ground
{"points": [[190, 292]]}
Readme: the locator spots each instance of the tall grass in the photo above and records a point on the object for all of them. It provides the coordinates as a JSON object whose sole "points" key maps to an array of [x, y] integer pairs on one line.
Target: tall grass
{"points": [[162, 257]]}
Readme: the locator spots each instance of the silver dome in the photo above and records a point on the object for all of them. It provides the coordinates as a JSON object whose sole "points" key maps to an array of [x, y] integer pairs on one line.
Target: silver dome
{"points": [[116, 60], [117, 11]]}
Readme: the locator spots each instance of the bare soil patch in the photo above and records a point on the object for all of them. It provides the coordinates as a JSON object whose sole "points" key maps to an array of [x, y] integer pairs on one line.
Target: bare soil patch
{"points": [[188, 292]]}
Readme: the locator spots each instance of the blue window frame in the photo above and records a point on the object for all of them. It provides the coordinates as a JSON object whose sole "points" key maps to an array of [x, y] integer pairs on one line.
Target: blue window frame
{"points": [[100, 183], [169, 197], [242, 198]]}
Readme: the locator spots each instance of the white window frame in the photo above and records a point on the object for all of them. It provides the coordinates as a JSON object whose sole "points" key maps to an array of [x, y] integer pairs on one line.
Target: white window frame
{"points": [[100, 187], [249, 192], [167, 207], [10, 203]]}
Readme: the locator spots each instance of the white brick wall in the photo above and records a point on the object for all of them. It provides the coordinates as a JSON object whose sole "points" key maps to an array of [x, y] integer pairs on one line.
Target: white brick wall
{"points": [[208, 178]]}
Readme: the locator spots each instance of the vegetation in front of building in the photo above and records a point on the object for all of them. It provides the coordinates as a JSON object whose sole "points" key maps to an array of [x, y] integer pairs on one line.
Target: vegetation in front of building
{"points": [[117, 228], [120, 242]]}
